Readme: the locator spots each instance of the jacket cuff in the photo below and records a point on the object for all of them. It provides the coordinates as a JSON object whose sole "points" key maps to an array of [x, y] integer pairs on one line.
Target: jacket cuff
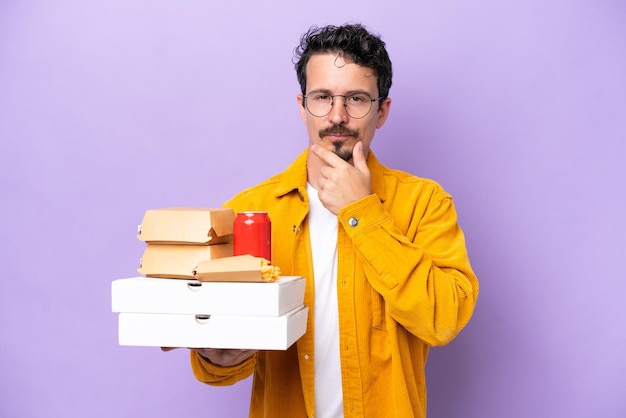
{"points": [[215, 375], [362, 215]]}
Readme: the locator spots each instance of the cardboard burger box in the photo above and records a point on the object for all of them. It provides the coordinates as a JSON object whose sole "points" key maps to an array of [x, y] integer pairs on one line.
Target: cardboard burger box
{"points": [[179, 261], [187, 226], [178, 238]]}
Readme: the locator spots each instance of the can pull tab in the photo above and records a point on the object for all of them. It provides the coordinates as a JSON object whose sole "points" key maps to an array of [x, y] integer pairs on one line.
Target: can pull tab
{"points": [[194, 286]]}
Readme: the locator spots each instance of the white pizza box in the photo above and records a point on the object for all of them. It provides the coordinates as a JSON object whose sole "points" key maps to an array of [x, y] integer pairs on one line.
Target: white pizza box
{"points": [[212, 331], [192, 297]]}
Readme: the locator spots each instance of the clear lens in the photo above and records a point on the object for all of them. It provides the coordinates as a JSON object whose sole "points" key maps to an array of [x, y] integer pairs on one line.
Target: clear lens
{"points": [[357, 105]]}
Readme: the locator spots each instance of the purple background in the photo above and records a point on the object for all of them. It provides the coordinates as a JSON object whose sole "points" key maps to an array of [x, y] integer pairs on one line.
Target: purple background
{"points": [[110, 108]]}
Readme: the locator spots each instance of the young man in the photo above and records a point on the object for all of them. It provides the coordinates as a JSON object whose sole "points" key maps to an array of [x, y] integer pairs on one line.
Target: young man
{"points": [[387, 270]]}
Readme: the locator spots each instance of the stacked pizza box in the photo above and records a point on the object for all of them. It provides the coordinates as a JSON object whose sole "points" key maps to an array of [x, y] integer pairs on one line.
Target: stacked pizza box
{"points": [[194, 292]]}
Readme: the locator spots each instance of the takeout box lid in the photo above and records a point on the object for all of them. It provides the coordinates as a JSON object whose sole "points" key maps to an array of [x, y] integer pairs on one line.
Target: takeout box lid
{"points": [[187, 225], [239, 268]]}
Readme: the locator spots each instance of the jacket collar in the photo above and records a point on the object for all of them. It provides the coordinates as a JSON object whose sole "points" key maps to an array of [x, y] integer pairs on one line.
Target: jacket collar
{"points": [[295, 176]]}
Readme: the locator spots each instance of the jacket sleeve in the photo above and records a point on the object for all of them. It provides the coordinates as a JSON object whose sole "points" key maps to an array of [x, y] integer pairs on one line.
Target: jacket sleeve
{"points": [[214, 375], [422, 271]]}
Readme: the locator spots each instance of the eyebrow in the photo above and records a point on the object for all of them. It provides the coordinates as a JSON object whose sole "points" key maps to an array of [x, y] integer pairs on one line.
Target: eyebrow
{"points": [[330, 93]]}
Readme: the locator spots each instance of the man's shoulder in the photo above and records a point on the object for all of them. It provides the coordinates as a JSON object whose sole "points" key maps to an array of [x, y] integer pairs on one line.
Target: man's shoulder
{"points": [[401, 179]]}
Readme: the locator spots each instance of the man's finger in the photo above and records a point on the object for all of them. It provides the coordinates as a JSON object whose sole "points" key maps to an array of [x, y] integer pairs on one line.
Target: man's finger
{"points": [[359, 159], [327, 156]]}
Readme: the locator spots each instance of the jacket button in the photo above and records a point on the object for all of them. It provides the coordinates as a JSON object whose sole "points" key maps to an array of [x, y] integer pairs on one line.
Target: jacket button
{"points": [[353, 221]]}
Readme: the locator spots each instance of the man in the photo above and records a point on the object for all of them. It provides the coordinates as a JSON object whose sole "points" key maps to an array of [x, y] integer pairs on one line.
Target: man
{"points": [[385, 261]]}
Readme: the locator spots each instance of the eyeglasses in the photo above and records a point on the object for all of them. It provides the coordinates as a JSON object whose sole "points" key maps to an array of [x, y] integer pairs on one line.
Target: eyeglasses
{"points": [[357, 105]]}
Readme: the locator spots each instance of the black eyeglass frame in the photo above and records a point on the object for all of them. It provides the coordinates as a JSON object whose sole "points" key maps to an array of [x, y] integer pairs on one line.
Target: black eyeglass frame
{"points": [[345, 104]]}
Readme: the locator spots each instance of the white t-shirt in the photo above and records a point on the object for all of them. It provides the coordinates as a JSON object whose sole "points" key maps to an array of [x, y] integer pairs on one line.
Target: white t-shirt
{"points": [[323, 232]]}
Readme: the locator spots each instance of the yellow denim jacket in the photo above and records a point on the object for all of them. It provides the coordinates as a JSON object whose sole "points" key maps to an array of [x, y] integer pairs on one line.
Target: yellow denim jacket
{"points": [[404, 283]]}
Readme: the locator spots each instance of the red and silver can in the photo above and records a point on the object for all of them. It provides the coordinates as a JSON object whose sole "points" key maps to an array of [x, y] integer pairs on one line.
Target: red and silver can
{"points": [[252, 234]]}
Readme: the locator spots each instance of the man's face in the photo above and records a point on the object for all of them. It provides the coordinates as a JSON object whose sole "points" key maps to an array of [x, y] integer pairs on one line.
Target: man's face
{"points": [[331, 74]]}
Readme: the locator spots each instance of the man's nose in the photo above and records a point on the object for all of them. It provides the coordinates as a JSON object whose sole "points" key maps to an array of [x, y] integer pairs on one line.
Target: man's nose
{"points": [[338, 113]]}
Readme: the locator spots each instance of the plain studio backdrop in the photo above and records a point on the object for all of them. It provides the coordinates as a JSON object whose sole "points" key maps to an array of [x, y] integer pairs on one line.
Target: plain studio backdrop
{"points": [[110, 108]]}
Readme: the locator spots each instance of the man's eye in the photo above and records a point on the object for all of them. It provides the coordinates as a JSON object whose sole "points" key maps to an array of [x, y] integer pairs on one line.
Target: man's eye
{"points": [[321, 97], [357, 98]]}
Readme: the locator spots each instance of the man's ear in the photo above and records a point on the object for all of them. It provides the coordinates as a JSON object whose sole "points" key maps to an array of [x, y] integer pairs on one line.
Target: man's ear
{"points": [[383, 112], [301, 107]]}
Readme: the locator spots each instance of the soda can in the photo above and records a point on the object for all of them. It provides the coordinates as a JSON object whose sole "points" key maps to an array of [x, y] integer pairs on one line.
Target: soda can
{"points": [[252, 234]]}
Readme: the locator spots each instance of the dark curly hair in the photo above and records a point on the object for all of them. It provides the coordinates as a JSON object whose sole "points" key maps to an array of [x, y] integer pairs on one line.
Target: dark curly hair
{"points": [[352, 42]]}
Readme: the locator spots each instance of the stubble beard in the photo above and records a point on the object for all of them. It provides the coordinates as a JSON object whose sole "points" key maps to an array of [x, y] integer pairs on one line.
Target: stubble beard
{"points": [[339, 146], [343, 153]]}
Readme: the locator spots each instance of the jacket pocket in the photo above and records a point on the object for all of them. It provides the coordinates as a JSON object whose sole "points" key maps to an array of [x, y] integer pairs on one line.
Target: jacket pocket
{"points": [[379, 320]]}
